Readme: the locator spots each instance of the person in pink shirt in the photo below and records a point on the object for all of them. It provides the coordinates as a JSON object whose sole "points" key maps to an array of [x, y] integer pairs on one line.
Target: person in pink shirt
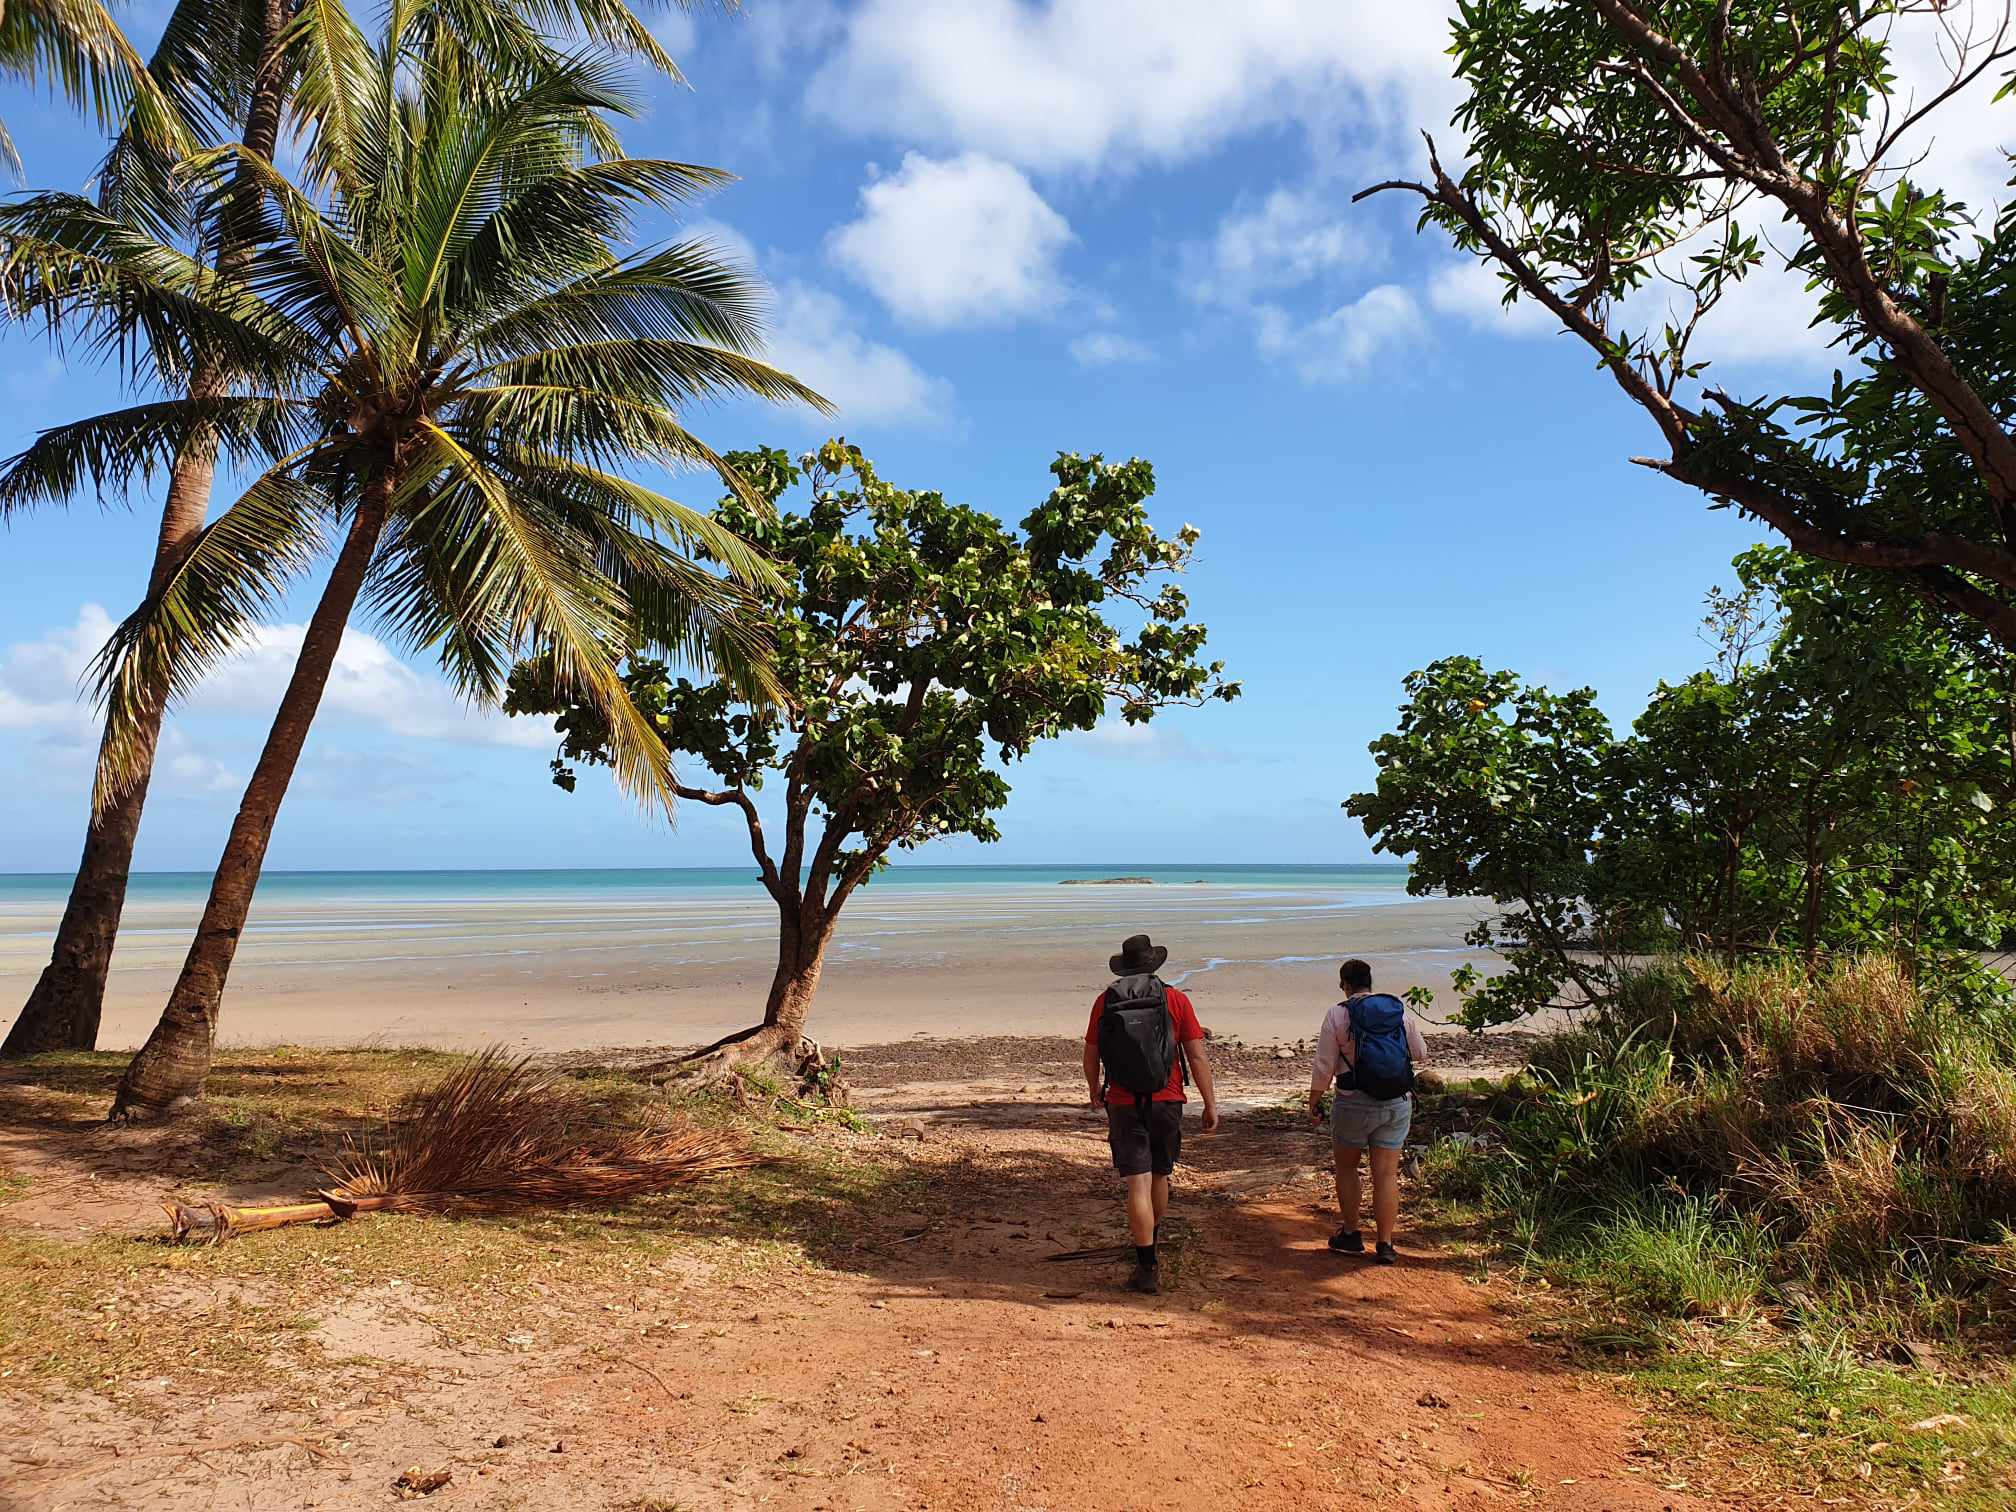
{"points": [[1368, 1047]]}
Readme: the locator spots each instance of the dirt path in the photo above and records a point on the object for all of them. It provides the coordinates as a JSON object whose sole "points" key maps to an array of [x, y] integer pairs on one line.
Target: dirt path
{"points": [[927, 1358]]}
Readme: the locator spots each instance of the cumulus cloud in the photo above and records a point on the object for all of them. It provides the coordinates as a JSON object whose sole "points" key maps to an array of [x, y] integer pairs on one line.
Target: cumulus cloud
{"points": [[1105, 348], [40, 678], [368, 686], [1078, 84], [1291, 238], [41, 691], [818, 340], [1347, 342], [956, 241], [1472, 292]]}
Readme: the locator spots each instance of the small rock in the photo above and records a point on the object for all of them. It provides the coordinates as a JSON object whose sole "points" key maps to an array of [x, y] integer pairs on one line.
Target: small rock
{"points": [[559, 1447], [1429, 1399], [502, 1441]]}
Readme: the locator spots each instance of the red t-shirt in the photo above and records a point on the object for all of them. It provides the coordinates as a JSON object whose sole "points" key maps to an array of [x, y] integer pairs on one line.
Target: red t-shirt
{"points": [[1188, 1030]]}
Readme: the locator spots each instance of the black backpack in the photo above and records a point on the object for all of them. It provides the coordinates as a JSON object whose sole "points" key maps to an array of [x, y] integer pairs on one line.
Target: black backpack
{"points": [[1137, 1037]]}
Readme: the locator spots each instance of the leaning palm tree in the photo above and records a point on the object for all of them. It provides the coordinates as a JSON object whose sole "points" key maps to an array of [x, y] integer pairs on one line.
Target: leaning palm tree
{"points": [[246, 67], [454, 365], [76, 47]]}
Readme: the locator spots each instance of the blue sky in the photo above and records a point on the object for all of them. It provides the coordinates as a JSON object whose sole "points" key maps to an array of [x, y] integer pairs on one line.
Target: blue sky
{"points": [[994, 231]]}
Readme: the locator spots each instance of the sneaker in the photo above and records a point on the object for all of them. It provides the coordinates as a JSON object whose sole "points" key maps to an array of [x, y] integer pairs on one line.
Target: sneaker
{"points": [[1348, 1242], [1146, 1279], [1386, 1254]]}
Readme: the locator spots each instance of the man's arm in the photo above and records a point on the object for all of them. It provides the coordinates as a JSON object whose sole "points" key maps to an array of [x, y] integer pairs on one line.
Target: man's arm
{"points": [[1417, 1043], [1092, 1078], [1200, 1073]]}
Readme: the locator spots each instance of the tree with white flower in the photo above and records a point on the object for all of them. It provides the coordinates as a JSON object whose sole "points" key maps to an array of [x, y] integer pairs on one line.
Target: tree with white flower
{"points": [[919, 648]]}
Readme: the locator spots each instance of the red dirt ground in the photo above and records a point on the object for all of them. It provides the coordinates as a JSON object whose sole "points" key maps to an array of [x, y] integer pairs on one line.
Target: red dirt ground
{"points": [[929, 1358]]}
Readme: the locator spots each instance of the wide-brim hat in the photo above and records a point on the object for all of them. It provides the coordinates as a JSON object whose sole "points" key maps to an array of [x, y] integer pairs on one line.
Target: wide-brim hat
{"points": [[1138, 956]]}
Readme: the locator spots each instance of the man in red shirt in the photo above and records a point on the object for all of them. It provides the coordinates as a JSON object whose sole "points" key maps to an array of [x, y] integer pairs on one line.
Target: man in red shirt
{"points": [[1146, 1141]]}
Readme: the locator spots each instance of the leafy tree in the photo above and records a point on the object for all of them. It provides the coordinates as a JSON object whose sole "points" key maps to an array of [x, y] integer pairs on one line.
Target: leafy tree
{"points": [[453, 360], [1840, 792], [1630, 159], [920, 648], [242, 68]]}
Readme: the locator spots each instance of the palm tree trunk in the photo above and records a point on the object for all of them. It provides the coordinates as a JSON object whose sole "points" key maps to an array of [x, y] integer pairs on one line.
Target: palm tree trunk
{"points": [[171, 1067], [63, 1011]]}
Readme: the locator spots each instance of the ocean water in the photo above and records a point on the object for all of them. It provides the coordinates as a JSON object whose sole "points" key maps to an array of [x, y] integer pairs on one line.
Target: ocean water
{"points": [[34, 892]]}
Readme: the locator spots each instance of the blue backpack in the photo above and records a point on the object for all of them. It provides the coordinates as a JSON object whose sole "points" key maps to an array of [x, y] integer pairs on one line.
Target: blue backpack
{"points": [[1380, 1066]]}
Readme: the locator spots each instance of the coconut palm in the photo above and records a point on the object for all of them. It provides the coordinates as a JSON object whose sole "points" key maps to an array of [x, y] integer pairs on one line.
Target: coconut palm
{"points": [[240, 67], [78, 48], [444, 364]]}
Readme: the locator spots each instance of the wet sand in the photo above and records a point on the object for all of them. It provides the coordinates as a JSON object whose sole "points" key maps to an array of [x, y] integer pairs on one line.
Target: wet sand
{"points": [[945, 962]]}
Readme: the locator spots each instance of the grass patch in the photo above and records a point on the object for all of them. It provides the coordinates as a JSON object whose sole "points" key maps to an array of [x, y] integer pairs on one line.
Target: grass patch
{"points": [[111, 1314], [1771, 1201]]}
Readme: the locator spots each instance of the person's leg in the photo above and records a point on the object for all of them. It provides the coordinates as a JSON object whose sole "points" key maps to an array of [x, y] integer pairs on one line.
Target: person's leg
{"points": [[1159, 1190], [1385, 1191], [1141, 1207], [1349, 1197]]}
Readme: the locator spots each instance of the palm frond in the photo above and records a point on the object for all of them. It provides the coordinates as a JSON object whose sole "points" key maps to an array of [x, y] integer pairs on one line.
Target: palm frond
{"points": [[233, 574], [496, 1135], [76, 47], [110, 451]]}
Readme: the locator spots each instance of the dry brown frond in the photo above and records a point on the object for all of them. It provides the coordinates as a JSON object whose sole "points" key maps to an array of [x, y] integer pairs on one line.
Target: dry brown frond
{"points": [[497, 1135]]}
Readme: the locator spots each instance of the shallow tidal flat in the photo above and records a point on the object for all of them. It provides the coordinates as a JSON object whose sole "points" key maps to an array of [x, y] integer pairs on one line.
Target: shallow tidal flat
{"points": [[560, 972]]}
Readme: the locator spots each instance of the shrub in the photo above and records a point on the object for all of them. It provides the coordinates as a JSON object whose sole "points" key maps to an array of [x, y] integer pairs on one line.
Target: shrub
{"points": [[1714, 1134]]}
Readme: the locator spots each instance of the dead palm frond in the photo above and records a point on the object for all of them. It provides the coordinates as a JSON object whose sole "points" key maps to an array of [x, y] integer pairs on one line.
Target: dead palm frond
{"points": [[497, 1135]]}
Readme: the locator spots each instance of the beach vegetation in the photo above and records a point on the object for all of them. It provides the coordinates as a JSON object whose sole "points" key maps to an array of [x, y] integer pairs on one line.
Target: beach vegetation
{"points": [[1635, 168], [1787, 1200], [1837, 781], [220, 75], [446, 359], [921, 648]]}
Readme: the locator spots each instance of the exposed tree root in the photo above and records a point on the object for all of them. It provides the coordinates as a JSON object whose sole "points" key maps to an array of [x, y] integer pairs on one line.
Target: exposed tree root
{"points": [[766, 1047]]}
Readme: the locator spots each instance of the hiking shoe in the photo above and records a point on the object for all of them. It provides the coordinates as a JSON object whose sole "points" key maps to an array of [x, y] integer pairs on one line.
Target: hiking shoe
{"points": [[1348, 1242], [1386, 1254], [1146, 1279]]}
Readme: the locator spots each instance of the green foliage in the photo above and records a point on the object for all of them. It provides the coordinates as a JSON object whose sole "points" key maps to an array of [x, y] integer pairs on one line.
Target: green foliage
{"points": [[919, 647], [1836, 783], [1632, 162]]}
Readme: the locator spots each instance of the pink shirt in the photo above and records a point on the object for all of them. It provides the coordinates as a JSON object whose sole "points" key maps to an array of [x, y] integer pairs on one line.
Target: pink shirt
{"points": [[1333, 1044]]}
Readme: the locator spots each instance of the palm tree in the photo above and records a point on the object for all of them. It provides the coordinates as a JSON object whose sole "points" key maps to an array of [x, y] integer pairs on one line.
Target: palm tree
{"points": [[444, 365], [79, 49], [253, 62]]}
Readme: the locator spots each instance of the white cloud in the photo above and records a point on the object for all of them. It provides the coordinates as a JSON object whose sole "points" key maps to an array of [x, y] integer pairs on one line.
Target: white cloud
{"points": [[1081, 83], [1291, 238], [1104, 348], [368, 686], [954, 242], [40, 679], [1348, 341], [676, 33], [817, 340], [1472, 292]]}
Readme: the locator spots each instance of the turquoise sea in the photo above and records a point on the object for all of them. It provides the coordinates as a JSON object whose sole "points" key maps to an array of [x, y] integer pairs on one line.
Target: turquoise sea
{"points": [[35, 890]]}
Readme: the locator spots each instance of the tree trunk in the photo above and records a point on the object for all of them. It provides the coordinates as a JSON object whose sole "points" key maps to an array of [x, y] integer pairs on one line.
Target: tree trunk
{"points": [[801, 957], [171, 1067], [63, 1011]]}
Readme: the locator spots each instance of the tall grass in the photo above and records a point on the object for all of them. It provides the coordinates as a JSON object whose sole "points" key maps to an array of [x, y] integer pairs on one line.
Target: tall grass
{"points": [[1717, 1141]]}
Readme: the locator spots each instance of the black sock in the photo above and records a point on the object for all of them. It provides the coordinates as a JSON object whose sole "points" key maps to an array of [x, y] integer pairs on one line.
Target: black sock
{"points": [[1144, 1254]]}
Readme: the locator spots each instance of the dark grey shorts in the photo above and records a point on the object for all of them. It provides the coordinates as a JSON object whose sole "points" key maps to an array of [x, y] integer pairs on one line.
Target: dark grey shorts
{"points": [[1144, 1149]]}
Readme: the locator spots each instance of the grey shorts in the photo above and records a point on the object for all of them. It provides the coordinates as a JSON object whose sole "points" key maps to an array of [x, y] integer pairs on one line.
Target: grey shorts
{"points": [[1145, 1148], [1359, 1122]]}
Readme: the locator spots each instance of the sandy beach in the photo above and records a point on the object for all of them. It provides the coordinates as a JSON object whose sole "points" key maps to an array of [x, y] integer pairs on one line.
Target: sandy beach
{"points": [[559, 973]]}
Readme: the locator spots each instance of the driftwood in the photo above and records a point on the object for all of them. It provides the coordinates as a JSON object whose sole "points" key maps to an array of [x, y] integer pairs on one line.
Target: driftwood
{"points": [[496, 1136]]}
